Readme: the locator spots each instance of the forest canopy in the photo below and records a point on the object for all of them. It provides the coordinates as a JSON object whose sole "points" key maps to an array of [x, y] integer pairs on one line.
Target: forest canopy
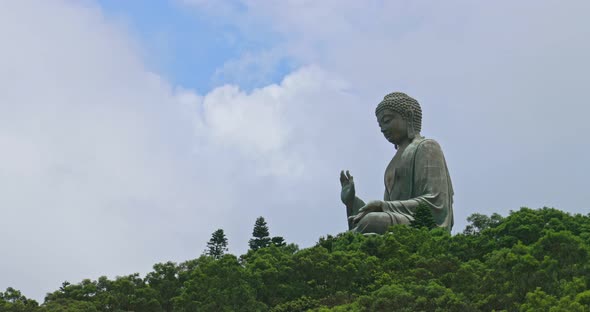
{"points": [[530, 260]]}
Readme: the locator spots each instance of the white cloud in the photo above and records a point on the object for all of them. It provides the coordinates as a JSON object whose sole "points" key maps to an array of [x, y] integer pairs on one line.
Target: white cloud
{"points": [[261, 123], [250, 69], [230, 114]]}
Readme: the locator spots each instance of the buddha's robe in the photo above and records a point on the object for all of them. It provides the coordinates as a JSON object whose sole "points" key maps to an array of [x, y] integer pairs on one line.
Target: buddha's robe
{"points": [[417, 175]]}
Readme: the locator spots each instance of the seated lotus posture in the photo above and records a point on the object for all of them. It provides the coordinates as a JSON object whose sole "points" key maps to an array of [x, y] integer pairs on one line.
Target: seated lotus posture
{"points": [[417, 174]]}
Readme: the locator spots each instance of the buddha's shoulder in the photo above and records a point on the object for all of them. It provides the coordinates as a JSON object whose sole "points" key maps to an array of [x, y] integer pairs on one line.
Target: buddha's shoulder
{"points": [[427, 145]]}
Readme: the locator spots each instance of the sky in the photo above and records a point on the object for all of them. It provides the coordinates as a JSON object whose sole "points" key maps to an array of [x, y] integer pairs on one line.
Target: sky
{"points": [[132, 130]]}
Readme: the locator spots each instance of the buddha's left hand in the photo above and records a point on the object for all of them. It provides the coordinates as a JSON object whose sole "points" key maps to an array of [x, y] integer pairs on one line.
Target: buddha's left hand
{"points": [[372, 206]]}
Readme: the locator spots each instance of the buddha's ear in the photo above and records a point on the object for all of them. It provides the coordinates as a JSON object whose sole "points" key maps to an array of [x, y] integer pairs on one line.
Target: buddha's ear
{"points": [[410, 122]]}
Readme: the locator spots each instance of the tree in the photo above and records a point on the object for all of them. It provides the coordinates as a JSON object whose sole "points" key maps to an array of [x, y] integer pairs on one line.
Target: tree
{"points": [[217, 245], [12, 300], [164, 281], [217, 285], [278, 241], [479, 222], [261, 236], [423, 218]]}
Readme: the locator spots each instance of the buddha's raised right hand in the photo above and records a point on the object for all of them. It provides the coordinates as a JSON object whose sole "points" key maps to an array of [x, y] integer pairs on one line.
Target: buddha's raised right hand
{"points": [[348, 192]]}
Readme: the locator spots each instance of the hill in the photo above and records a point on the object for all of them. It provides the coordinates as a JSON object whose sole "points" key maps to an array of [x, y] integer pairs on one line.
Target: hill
{"points": [[531, 260]]}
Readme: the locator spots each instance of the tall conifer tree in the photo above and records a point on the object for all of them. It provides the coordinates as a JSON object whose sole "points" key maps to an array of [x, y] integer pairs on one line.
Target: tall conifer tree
{"points": [[217, 245], [423, 218], [261, 235]]}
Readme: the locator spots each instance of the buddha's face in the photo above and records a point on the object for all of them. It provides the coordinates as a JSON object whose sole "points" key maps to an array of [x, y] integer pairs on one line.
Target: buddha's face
{"points": [[393, 126]]}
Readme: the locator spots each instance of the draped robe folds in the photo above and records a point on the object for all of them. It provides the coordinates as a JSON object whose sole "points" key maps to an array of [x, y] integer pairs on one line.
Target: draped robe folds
{"points": [[417, 175]]}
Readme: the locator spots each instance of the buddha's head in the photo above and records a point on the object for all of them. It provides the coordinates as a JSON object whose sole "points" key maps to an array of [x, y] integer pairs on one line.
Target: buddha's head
{"points": [[400, 118]]}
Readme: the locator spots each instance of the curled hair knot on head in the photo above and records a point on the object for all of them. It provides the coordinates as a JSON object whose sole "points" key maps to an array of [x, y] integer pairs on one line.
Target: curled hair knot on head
{"points": [[404, 105]]}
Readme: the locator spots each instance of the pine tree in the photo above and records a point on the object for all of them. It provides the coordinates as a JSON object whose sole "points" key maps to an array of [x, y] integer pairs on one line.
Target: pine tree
{"points": [[217, 245], [261, 236], [278, 241], [423, 218]]}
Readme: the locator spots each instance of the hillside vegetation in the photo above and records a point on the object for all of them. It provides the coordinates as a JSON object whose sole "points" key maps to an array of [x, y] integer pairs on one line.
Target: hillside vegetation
{"points": [[531, 260]]}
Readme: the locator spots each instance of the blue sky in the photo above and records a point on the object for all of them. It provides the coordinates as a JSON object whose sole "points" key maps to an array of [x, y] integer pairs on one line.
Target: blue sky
{"points": [[132, 130], [187, 46]]}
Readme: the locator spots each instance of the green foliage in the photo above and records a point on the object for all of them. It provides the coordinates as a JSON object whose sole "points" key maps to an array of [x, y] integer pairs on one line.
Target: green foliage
{"points": [[217, 245], [531, 260], [261, 236], [164, 283], [423, 218], [221, 285], [301, 304], [12, 300], [278, 241], [68, 305], [479, 222]]}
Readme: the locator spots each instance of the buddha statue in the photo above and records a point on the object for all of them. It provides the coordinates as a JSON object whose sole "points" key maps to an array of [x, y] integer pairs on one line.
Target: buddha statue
{"points": [[416, 176]]}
